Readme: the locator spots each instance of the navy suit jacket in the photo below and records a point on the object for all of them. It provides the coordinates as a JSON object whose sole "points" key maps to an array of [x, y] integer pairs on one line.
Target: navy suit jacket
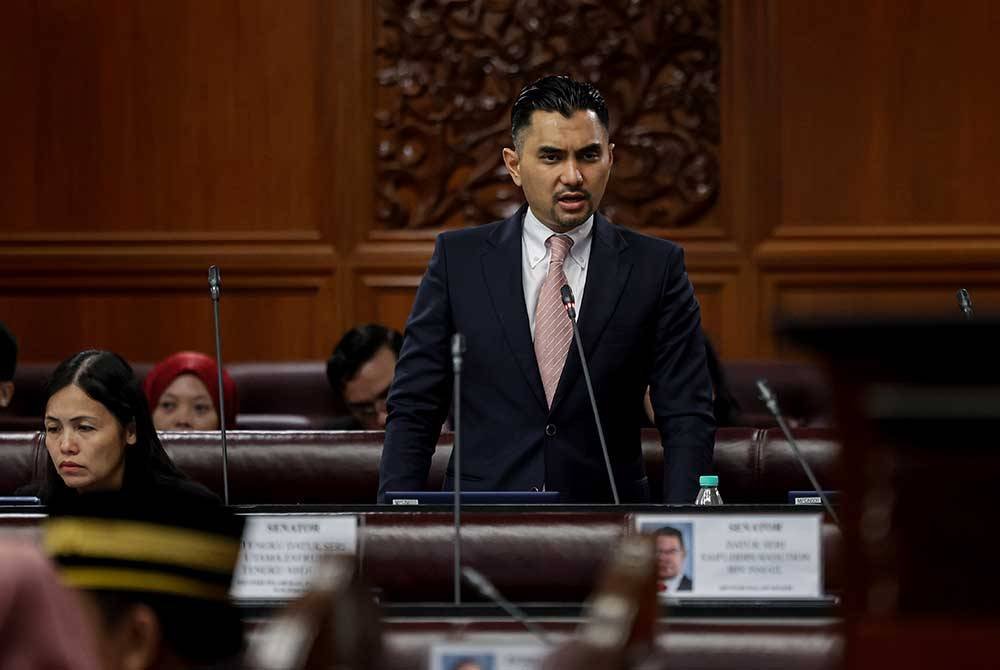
{"points": [[640, 324]]}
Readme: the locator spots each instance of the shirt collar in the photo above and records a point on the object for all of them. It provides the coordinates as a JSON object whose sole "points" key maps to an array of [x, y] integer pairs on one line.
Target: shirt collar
{"points": [[536, 233], [674, 582]]}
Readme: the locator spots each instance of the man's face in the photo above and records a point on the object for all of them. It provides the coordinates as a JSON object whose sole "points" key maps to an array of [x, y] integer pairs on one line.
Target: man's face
{"points": [[669, 557], [6, 393], [365, 392], [563, 167]]}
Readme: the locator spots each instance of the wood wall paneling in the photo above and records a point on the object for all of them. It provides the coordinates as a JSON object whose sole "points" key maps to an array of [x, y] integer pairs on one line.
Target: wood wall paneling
{"points": [[873, 294], [266, 319], [149, 140], [806, 154]]}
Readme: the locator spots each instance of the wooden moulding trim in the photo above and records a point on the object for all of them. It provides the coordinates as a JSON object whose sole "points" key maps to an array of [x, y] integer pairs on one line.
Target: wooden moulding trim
{"points": [[875, 253], [144, 261], [131, 237], [889, 231]]}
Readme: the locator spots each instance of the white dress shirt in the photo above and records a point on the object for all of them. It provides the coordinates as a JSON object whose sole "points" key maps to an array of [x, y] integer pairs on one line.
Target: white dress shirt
{"points": [[535, 261]]}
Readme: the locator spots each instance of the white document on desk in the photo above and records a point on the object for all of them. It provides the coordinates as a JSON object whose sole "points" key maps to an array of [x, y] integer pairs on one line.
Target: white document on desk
{"points": [[280, 551], [718, 555]]}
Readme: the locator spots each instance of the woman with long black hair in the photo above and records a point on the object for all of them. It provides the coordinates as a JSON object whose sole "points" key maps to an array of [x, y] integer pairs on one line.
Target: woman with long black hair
{"points": [[100, 437]]}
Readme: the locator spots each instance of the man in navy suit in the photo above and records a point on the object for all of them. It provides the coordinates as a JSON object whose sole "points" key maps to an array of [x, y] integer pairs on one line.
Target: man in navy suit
{"points": [[526, 419]]}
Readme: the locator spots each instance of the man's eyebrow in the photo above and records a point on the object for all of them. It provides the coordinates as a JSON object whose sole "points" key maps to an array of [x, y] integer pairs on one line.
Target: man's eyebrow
{"points": [[547, 149], [590, 147], [82, 417]]}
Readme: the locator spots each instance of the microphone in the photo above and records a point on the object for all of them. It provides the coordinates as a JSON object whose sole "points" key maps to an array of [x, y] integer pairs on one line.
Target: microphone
{"points": [[486, 588], [570, 303], [214, 291], [965, 303], [772, 405], [457, 349]]}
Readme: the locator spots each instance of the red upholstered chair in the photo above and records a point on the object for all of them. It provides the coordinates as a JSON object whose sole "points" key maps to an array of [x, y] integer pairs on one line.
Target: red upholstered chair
{"points": [[285, 387], [25, 412], [734, 460], [778, 471], [21, 460], [552, 557]]}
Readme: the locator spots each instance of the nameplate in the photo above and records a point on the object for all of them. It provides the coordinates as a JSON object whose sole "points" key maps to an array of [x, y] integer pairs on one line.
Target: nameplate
{"points": [[487, 656], [280, 552], [759, 556]]}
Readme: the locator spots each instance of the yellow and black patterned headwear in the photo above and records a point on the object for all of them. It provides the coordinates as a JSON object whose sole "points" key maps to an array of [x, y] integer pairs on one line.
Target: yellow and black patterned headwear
{"points": [[188, 552], [178, 557]]}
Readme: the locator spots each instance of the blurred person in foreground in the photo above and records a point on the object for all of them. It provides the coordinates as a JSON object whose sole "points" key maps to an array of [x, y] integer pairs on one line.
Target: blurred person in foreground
{"points": [[100, 437], [8, 365], [153, 581], [360, 370], [41, 623], [183, 393], [526, 413]]}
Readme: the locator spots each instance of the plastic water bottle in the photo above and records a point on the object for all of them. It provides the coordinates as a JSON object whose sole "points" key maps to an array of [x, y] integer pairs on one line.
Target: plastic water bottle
{"points": [[709, 493]]}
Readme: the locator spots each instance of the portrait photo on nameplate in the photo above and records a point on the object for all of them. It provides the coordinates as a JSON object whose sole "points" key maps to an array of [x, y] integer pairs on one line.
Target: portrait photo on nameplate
{"points": [[279, 552], [757, 556], [490, 655]]}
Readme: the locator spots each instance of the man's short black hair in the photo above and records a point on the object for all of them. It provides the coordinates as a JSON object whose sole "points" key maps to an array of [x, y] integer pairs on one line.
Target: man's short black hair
{"points": [[555, 93], [357, 347], [670, 531], [8, 354]]}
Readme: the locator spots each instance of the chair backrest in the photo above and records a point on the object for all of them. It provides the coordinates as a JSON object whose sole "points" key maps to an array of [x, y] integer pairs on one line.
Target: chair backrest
{"points": [[341, 467], [21, 460]]}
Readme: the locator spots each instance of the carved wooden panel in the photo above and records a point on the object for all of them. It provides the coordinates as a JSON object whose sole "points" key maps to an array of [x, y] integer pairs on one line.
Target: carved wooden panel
{"points": [[448, 71]]}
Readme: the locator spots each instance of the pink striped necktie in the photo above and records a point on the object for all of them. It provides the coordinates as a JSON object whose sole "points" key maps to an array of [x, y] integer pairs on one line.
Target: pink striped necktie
{"points": [[553, 330]]}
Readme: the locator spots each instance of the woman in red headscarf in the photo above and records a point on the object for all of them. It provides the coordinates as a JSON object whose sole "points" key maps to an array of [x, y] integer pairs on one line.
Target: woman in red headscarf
{"points": [[183, 393]]}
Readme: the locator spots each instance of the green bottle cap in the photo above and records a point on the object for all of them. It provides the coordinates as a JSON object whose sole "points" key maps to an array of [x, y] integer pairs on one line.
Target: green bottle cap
{"points": [[708, 480]]}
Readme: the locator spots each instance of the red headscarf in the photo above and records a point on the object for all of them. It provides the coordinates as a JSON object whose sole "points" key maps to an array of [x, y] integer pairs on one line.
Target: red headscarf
{"points": [[201, 366]]}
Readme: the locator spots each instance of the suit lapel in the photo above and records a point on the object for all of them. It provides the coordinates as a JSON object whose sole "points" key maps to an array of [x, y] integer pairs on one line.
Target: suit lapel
{"points": [[606, 277], [501, 262]]}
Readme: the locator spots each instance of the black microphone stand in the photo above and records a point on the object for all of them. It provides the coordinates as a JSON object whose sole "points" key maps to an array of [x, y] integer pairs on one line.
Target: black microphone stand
{"points": [[486, 588], [567, 298], [214, 290], [772, 406], [457, 349]]}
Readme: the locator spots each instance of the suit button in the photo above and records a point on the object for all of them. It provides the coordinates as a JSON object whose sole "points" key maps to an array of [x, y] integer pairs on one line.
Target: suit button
{"points": [[550, 430]]}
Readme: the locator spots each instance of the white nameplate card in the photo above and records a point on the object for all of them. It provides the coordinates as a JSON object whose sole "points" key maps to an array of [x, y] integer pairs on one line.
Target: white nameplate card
{"points": [[280, 552], [487, 656], [757, 556]]}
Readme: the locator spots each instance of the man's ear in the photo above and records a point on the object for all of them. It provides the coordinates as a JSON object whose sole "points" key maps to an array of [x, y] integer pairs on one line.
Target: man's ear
{"points": [[138, 638], [6, 393], [513, 162]]}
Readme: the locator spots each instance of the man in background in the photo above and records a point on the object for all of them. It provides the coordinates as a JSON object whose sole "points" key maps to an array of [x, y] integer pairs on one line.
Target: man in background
{"points": [[360, 370], [8, 365]]}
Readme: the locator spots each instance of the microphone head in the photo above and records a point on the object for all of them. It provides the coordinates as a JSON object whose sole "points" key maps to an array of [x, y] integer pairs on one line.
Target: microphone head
{"points": [[214, 283], [764, 393], [567, 295], [457, 344], [965, 302]]}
